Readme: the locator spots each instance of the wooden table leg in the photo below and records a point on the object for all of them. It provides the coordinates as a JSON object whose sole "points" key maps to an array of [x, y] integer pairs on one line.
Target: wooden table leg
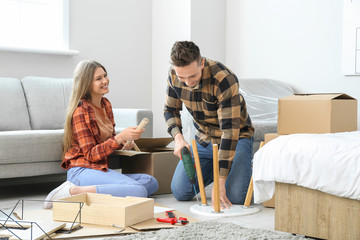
{"points": [[199, 173], [251, 187], [141, 125], [249, 193], [216, 178]]}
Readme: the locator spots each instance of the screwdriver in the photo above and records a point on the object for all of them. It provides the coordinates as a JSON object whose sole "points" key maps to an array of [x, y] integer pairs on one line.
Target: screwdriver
{"points": [[189, 167]]}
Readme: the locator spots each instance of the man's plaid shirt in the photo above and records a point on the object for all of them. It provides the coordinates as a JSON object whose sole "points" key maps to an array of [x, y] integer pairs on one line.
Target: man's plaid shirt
{"points": [[218, 109]]}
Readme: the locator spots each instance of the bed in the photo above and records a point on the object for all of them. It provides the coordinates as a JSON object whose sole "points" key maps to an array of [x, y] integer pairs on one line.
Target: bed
{"points": [[316, 181]]}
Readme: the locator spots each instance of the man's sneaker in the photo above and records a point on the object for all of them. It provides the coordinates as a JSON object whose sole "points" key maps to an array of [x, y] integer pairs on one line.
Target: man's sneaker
{"points": [[62, 191]]}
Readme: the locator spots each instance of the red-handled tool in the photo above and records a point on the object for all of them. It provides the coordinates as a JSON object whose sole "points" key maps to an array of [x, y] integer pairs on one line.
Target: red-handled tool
{"points": [[181, 220], [172, 219]]}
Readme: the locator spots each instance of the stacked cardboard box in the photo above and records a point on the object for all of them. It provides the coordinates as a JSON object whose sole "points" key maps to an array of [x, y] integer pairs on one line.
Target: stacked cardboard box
{"points": [[317, 113], [314, 113]]}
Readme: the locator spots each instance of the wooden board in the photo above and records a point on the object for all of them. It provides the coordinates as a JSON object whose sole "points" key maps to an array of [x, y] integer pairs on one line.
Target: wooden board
{"points": [[88, 230], [270, 203], [316, 214], [69, 226], [34, 232], [17, 224], [104, 209], [5, 234]]}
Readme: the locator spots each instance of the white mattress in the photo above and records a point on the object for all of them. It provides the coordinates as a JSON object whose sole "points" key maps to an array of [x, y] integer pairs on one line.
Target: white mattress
{"points": [[326, 162]]}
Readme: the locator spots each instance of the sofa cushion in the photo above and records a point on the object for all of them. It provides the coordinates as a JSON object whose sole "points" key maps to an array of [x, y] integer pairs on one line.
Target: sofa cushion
{"points": [[30, 146], [47, 100], [14, 112], [28, 170]]}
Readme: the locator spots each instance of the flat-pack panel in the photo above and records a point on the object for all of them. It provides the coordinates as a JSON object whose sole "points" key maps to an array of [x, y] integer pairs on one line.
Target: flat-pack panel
{"points": [[104, 209]]}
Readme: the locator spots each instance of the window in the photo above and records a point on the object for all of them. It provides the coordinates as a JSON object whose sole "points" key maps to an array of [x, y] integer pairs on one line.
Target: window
{"points": [[34, 24], [351, 38]]}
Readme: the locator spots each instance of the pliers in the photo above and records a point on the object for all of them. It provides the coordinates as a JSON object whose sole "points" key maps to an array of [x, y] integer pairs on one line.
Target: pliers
{"points": [[172, 219]]}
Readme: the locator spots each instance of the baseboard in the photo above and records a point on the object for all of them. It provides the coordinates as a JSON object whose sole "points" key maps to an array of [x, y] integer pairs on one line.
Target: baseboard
{"points": [[61, 177]]}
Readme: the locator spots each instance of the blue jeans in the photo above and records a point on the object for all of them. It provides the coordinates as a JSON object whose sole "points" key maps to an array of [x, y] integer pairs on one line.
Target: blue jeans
{"points": [[237, 182], [113, 182]]}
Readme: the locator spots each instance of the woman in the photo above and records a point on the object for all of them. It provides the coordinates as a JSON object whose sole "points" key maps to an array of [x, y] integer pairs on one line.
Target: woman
{"points": [[89, 139]]}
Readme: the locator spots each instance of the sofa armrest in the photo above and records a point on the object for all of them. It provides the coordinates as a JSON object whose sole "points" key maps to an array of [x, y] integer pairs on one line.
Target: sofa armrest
{"points": [[127, 117]]}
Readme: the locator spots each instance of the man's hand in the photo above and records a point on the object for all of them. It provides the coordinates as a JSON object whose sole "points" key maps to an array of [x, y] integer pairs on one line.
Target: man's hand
{"points": [[179, 144], [224, 201]]}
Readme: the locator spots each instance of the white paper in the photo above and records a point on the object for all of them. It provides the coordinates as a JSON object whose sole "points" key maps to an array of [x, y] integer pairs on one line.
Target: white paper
{"points": [[162, 209]]}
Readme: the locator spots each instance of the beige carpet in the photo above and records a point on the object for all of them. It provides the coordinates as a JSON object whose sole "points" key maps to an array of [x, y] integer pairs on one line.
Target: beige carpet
{"points": [[210, 230]]}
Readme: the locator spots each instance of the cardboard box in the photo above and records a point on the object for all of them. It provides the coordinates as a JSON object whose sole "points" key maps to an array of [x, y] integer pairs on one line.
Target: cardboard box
{"points": [[270, 136], [104, 209], [317, 113], [154, 159]]}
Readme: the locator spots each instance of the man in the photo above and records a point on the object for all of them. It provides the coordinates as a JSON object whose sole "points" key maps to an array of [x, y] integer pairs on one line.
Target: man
{"points": [[210, 92]]}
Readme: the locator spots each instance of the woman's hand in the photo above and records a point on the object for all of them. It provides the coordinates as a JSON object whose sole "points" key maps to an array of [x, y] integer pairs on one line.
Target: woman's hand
{"points": [[128, 145], [128, 134]]}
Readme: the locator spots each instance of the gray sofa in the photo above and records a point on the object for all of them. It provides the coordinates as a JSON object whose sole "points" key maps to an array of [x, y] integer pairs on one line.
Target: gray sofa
{"points": [[261, 97], [31, 127]]}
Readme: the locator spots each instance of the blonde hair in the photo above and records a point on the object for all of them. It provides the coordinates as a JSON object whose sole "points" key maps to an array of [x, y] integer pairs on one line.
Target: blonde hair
{"points": [[83, 77]]}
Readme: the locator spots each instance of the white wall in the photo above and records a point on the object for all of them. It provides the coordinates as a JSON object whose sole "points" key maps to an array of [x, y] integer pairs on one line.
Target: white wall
{"points": [[208, 28], [179, 20], [171, 22], [117, 33], [295, 41]]}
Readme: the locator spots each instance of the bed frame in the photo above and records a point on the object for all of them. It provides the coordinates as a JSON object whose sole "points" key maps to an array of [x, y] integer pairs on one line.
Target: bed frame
{"points": [[312, 213]]}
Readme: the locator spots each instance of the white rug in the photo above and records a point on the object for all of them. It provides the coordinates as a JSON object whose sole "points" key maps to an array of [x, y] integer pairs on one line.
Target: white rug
{"points": [[210, 230]]}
